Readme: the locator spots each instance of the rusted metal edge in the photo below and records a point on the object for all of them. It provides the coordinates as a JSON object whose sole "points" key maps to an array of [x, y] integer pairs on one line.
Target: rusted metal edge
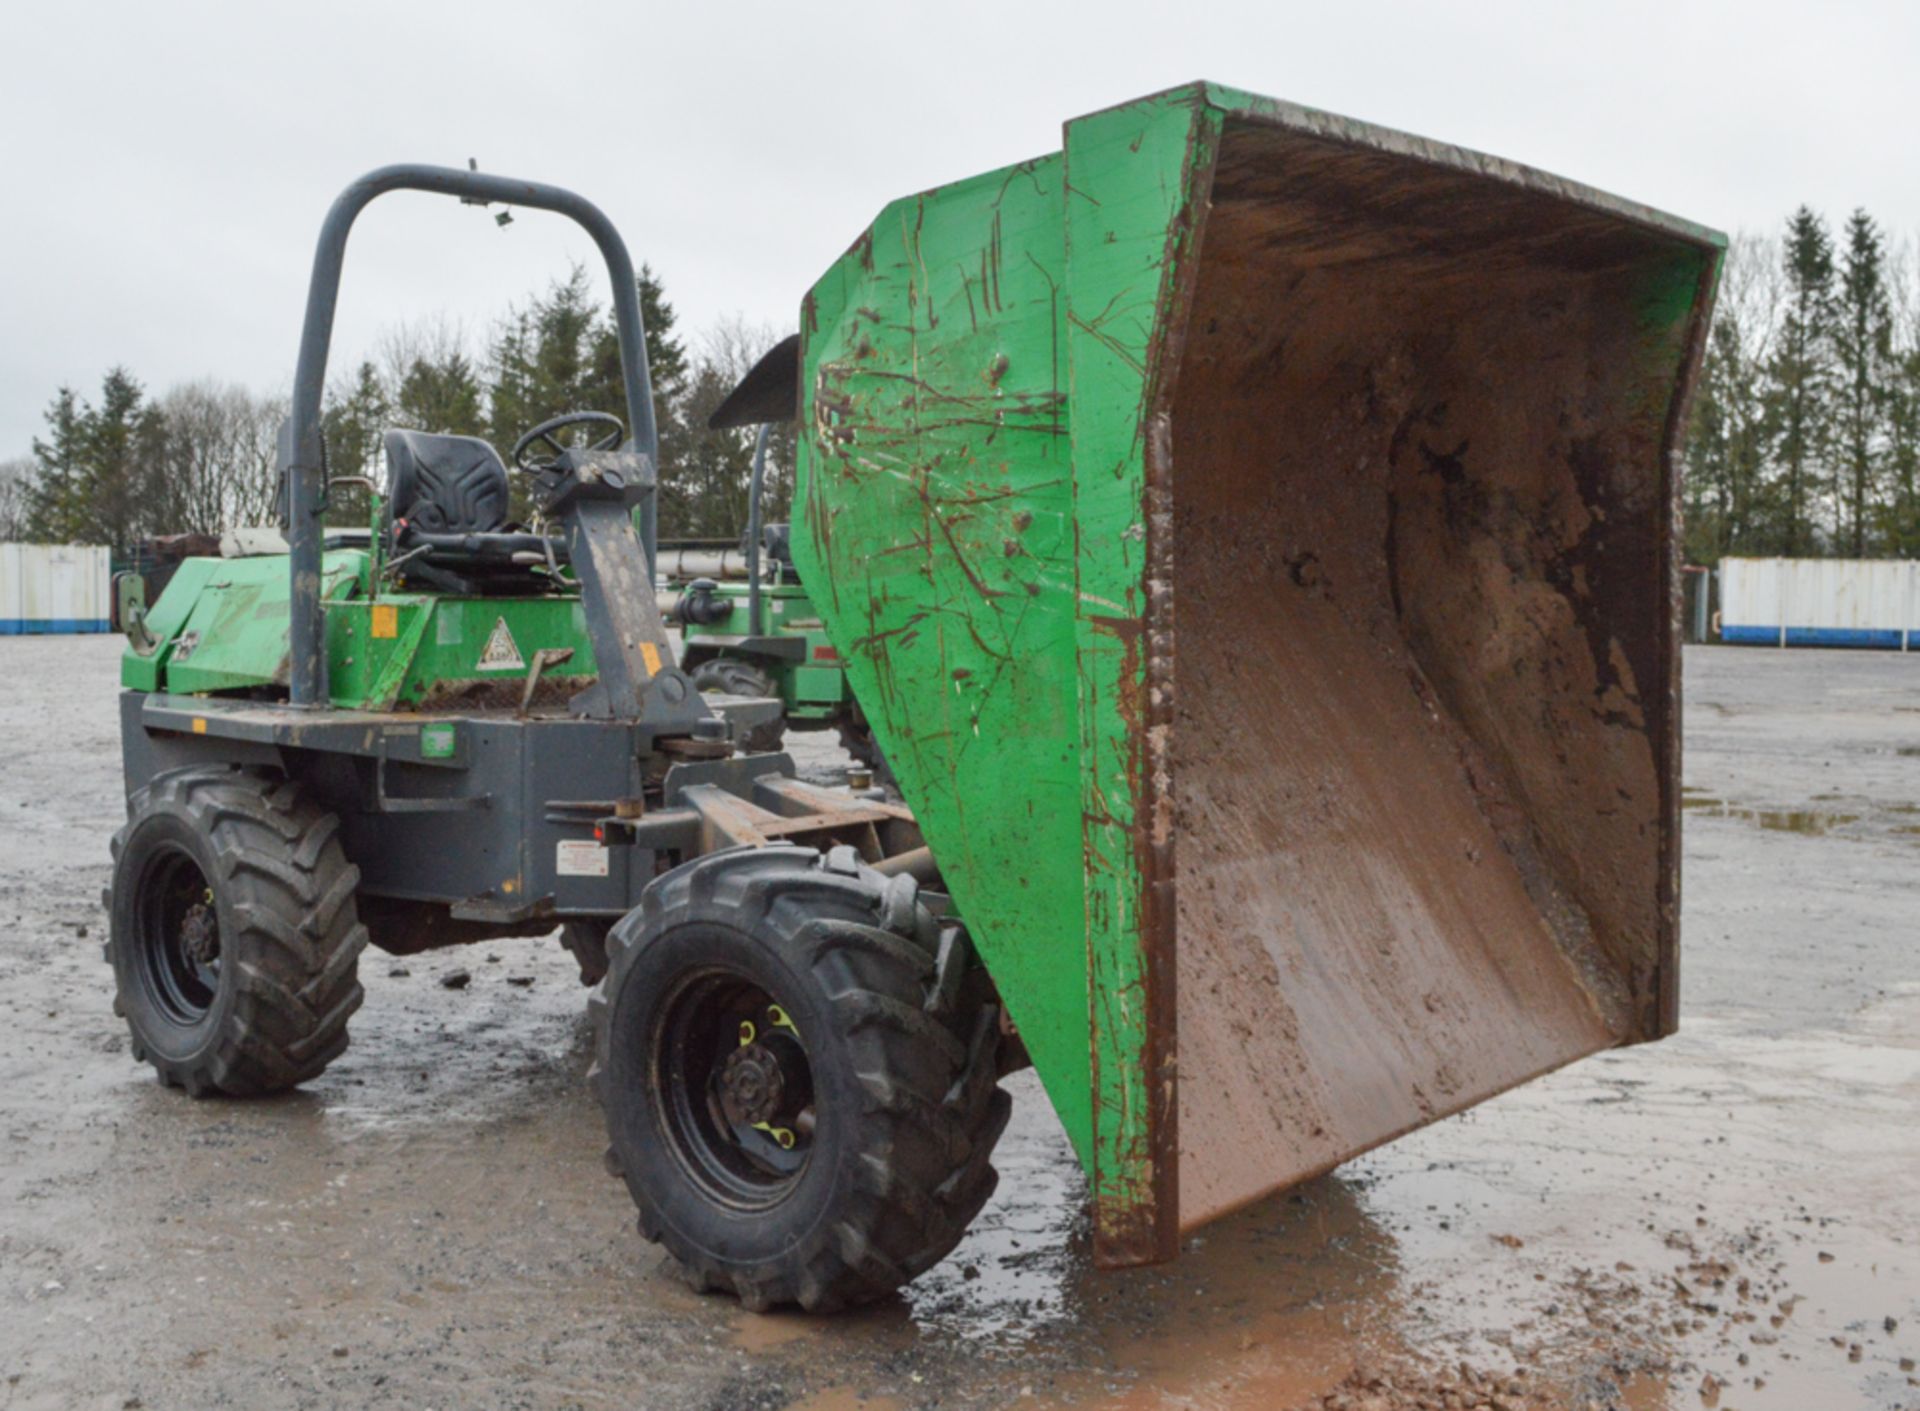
{"points": [[1670, 745], [1154, 831], [1151, 1234], [1237, 104]]}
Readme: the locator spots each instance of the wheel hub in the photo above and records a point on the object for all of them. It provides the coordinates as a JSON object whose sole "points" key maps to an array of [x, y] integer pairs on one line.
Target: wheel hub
{"points": [[200, 934], [752, 1084], [738, 1089]]}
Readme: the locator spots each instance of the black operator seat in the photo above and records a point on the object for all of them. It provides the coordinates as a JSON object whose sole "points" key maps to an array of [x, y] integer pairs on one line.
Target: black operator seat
{"points": [[447, 506]]}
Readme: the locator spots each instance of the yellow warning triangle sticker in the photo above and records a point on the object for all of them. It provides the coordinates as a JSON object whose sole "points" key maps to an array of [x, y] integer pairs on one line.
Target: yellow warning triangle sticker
{"points": [[500, 653]]}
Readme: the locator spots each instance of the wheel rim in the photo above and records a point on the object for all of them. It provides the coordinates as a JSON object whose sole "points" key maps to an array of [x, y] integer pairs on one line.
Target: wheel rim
{"points": [[735, 1087], [177, 946]]}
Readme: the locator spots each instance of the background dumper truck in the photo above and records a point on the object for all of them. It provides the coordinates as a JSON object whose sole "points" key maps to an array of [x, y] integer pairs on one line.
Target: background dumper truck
{"points": [[1249, 535]]}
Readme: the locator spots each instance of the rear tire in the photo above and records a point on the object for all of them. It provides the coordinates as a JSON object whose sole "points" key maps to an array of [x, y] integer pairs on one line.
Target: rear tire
{"points": [[233, 934], [731, 676], [586, 942], [775, 993]]}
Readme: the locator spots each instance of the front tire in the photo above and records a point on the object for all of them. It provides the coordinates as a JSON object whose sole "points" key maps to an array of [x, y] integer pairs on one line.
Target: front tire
{"points": [[793, 1119], [233, 935]]}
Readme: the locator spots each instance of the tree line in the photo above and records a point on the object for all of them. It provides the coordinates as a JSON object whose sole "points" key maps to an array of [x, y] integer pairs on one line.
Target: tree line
{"points": [[1804, 437], [201, 457]]}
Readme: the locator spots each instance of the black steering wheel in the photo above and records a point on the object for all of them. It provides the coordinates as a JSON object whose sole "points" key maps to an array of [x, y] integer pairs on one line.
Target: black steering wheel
{"points": [[544, 432]]}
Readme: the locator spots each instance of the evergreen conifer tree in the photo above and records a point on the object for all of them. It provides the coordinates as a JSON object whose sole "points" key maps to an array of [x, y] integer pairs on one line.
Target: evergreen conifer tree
{"points": [[1863, 355], [441, 394], [1799, 384], [55, 491]]}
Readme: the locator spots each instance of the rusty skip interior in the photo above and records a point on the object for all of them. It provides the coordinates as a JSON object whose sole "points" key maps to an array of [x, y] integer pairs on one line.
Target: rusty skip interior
{"points": [[1423, 676]]}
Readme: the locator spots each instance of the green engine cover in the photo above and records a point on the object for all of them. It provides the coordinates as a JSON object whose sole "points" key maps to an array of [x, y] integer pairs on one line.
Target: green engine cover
{"points": [[221, 627]]}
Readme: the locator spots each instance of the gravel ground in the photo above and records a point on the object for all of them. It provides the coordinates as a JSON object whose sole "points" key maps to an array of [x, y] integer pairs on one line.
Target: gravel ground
{"points": [[1727, 1219]]}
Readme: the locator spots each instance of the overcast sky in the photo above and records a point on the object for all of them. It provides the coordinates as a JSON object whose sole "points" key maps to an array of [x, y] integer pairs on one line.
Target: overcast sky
{"points": [[167, 165]]}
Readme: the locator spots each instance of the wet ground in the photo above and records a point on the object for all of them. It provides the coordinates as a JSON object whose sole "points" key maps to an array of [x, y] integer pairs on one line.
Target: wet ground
{"points": [[1727, 1219]]}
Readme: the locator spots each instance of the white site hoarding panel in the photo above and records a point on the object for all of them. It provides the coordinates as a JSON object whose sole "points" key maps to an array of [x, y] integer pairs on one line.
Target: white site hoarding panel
{"points": [[54, 588], [1820, 602]]}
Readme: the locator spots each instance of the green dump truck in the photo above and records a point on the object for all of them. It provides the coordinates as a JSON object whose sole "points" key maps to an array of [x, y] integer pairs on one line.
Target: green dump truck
{"points": [[1250, 536]]}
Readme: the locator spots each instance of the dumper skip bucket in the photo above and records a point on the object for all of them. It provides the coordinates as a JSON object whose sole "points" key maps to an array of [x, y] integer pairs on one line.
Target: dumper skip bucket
{"points": [[1251, 535]]}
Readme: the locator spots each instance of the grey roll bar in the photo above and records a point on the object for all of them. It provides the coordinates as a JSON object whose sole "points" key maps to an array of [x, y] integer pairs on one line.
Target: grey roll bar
{"points": [[300, 448]]}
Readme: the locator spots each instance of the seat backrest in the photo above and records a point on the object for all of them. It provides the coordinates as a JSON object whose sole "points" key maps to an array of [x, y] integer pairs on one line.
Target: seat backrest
{"points": [[445, 484], [777, 540]]}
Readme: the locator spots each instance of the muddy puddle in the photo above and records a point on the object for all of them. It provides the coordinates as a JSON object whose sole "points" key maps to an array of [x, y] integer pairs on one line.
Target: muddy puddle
{"points": [[1843, 817], [1501, 1260], [1814, 821]]}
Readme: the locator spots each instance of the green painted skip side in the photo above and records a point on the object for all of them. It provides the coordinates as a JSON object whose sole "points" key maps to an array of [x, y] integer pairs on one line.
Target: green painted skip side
{"points": [[935, 532], [1132, 173], [982, 511], [985, 560]]}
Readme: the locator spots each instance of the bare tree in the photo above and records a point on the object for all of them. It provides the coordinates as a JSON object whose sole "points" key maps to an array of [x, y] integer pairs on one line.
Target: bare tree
{"points": [[221, 450], [1729, 495], [432, 339], [16, 477], [710, 482], [1900, 510]]}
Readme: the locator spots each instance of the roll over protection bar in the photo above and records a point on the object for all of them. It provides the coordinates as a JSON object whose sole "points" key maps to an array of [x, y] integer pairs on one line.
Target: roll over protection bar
{"points": [[301, 457]]}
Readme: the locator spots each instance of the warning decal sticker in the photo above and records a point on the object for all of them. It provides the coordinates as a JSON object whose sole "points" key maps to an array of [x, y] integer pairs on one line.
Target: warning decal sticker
{"points": [[500, 653], [579, 857]]}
